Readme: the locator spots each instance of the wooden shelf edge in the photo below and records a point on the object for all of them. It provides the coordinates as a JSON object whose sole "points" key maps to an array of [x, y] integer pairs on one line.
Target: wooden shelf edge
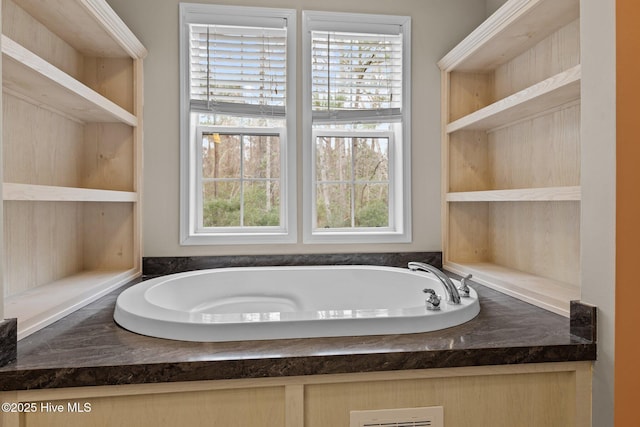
{"points": [[514, 27], [40, 307], [557, 90], [550, 194], [520, 285], [46, 193], [91, 106], [500, 19]]}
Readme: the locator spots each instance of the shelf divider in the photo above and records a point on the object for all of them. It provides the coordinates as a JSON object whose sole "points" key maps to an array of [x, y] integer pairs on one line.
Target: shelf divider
{"points": [[570, 193], [48, 193], [41, 306], [27, 74], [543, 292], [557, 90]]}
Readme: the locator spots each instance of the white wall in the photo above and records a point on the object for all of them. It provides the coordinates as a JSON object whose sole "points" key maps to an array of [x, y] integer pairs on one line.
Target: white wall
{"points": [[598, 171], [437, 26]]}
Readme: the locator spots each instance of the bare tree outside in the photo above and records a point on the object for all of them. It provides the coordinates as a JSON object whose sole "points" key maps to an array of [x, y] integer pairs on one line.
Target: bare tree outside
{"points": [[354, 76], [241, 180], [352, 182]]}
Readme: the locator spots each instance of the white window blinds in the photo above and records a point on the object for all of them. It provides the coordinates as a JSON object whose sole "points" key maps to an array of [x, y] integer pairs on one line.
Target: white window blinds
{"points": [[356, 76], [238, 69]]}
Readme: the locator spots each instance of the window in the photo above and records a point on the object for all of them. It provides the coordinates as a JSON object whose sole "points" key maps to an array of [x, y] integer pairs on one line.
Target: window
{"points": [[237, 123], [352, 179], [240, 181], [356, 107]]}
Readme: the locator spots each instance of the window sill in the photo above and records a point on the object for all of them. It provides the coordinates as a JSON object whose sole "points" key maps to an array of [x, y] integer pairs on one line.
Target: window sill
{"points": [[348, 237], [237, 238]]}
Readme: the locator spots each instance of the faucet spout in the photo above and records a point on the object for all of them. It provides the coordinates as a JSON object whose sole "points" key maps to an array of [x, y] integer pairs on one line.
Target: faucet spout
{"points": [[453, 297]]}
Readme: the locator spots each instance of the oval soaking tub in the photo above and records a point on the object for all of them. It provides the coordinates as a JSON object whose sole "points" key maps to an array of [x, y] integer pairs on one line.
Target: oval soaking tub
{"points": [[256, 303]]}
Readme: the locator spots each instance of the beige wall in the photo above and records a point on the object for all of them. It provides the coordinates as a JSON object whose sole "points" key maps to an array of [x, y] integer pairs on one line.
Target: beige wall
{"points": [[437, 25], [493, 5]]}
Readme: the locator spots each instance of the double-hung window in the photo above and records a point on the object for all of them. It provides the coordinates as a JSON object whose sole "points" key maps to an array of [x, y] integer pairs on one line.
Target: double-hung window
{"points": [[237, 123], [356, 106]]}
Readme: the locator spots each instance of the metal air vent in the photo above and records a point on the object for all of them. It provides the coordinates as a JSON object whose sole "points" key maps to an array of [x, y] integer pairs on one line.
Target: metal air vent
{"points": [[406, 417]]}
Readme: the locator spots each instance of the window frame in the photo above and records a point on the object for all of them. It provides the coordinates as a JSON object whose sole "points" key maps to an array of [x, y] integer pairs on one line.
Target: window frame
{"points": [[190, 199], [400, 192]]}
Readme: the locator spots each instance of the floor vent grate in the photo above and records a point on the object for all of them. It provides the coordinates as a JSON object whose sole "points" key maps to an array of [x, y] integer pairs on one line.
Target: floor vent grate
{"points": [[401, 424], [406, 417]]}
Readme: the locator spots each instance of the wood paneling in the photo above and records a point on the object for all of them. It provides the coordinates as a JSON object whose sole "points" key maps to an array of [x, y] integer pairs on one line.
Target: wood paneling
{"points": [[541, 152], [229, 408], [485, 401], [30, 33], [557, 53]]}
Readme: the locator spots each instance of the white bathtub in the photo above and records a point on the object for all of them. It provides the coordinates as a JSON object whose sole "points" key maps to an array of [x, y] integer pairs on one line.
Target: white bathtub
{"points": [[259, 303]]}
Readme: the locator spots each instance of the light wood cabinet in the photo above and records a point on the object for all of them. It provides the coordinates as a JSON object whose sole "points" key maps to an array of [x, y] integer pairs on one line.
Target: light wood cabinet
{"points": [[511, 153], [547, 394], [72, 156]]}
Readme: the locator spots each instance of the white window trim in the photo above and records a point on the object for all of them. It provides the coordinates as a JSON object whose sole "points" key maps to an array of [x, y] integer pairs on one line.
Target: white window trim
{"points": [[400, 230], [189, 230]]}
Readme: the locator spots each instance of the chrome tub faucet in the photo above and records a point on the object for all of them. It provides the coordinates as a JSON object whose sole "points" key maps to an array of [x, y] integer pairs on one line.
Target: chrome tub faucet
{"points": [[453, 297]]}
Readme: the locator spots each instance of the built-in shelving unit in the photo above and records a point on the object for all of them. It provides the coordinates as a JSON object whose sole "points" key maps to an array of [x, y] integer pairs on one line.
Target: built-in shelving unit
{"points": [[72, 156], [511, 153]]}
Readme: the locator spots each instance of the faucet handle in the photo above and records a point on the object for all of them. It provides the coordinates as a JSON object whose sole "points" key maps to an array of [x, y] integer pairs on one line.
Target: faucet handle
{"points": [[433, 300], [463, 289]]}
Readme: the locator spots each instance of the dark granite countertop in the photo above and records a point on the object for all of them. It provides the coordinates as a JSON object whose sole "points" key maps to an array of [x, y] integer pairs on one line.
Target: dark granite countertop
{"points": [[87, 348]]}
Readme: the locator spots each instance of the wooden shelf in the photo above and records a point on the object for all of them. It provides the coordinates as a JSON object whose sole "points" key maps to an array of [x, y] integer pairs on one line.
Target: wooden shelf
{"points": [[90, 26], [552, 92], [39, 307], [30, 76], [517, 195], [514, 28], [511, 105], [543, 292], [72, 147], [47, 193]]}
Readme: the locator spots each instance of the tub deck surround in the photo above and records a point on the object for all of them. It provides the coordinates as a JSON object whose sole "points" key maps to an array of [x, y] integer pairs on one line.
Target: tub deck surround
{"points": [[88, 349], [157, 266], [8, 341], [584, 320]]}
